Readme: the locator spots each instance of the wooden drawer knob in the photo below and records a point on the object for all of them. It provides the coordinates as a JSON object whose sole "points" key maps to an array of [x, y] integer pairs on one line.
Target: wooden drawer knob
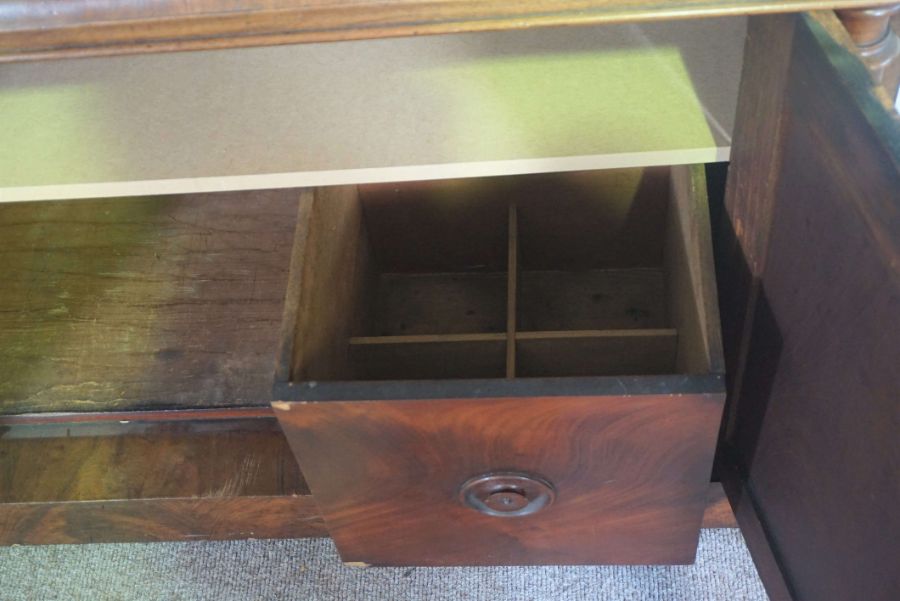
{"points": [[507, 494]]}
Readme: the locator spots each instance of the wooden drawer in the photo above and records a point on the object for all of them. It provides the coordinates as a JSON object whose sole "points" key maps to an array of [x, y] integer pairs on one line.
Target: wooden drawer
{"points": [[515, 370]]}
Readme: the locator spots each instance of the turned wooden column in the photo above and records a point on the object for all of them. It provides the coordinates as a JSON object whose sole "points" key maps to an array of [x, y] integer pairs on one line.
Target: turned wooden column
{"points": [[877, 41]]}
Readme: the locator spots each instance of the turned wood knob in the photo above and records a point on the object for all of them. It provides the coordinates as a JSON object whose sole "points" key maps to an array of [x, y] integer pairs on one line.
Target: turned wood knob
{"points": [[877, 41], [507, 494], [868, 26]]}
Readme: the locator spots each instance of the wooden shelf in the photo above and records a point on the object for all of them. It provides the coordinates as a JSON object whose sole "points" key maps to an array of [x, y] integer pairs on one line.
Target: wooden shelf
{"points": [[64, 28], [371, 111]]}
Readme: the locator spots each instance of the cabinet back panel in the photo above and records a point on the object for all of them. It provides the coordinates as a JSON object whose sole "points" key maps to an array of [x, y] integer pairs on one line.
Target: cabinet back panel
{"points": [[436, 227], [593, 219]]}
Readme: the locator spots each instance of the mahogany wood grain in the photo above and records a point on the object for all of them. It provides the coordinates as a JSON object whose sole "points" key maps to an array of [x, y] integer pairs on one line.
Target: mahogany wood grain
{"points": [[631, 475], [158, 520], [171, 481], [814, 417], [142, 303], [31, 29], [168, 460], [164, 482]]}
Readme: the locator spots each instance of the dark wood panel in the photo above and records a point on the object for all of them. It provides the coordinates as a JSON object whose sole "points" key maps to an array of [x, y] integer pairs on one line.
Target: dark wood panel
{"points": [[167, 460], [815, 419], [61, 28], [631, 476], [169, 481], [159, 302], [439, 303], [605, 219], [718, 513], [416, 227], [151, 520], [754, 532], [742, 234]]}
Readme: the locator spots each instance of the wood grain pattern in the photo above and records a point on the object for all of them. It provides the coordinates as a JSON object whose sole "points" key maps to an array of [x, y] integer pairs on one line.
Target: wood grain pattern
{"points": [[168, 460], [742, 234], [32, 29], [157, 481], [815, 432], [171, 481], [692, 304], [631, 476], [158, 520], [164, 302], [330, 269]]}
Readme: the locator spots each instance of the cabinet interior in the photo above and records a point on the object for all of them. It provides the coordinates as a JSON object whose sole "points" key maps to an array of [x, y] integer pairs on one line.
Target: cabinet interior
{"points": [[572, 274]]}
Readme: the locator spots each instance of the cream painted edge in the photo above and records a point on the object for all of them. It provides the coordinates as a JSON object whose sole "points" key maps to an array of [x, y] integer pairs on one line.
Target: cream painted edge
{"points": [[305, 179]]}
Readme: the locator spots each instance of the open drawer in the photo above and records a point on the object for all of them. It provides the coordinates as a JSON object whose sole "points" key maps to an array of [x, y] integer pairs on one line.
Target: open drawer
{"points": [[516, 370]]}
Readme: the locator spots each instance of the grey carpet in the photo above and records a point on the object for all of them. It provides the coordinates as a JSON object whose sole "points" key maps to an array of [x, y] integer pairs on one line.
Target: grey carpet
{"points": [[310, 570]]}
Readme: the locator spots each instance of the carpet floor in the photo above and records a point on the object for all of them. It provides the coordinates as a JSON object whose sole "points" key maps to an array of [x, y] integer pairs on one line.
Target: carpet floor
{"points": [[310, 570]]}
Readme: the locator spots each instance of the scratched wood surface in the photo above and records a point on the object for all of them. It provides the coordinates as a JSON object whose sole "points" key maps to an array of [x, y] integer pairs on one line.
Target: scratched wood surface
{"points": [[142, 303]]}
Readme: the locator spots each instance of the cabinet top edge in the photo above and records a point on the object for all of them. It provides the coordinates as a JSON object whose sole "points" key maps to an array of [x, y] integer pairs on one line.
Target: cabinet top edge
{"points": [[54, 29]]}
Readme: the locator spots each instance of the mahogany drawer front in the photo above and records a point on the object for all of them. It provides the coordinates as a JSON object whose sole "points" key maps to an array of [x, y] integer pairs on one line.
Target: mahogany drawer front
{"points": [[508, 370], [629, 475]]}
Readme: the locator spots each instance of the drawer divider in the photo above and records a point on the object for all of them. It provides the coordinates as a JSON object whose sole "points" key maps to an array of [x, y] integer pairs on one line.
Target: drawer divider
{"points": [[511, 291]]}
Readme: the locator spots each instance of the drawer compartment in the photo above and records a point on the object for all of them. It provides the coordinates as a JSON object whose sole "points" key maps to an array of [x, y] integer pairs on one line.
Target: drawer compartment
{"points": [[516, 370]]}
